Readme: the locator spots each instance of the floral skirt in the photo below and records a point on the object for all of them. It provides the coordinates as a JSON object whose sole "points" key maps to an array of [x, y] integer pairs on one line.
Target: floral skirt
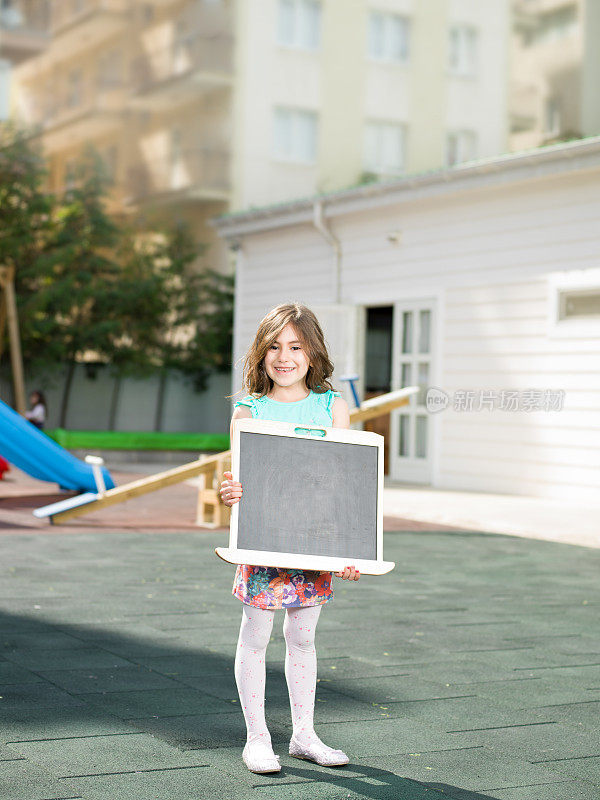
{"points": [[274, 588]]}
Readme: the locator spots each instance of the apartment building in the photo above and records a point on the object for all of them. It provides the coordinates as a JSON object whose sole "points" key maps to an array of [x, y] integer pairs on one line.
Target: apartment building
{"points": [[204, 106], [332, 93], [23, 26], [555, 65], [149, 85]]}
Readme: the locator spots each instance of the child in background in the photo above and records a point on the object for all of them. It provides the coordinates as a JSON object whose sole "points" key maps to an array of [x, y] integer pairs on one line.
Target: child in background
{"points": [[37, 414], [286, 374]]}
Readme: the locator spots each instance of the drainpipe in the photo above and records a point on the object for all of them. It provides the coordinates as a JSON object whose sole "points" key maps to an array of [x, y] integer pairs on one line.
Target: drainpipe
{"points": [[320, 225]]}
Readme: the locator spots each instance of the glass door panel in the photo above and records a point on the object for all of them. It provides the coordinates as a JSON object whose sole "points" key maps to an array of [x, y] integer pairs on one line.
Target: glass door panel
{"points": [[404, 438], [413, 366], [407, 325], [424, 331], [421, 436]]}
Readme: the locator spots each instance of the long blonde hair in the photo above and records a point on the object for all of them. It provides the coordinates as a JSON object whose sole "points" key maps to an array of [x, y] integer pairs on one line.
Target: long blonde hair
{"points": [[309, 332]]}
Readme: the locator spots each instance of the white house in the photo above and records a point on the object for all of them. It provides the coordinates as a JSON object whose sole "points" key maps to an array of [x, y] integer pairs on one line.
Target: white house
{"points": [[480, 283]]}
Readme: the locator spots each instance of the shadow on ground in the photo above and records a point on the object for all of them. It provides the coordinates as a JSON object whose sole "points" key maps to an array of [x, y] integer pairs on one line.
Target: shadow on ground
{"points": [[52, 697]]}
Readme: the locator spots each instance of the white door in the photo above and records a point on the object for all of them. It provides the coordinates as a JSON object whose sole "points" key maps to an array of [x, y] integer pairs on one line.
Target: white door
{"points": [[410, 432]]}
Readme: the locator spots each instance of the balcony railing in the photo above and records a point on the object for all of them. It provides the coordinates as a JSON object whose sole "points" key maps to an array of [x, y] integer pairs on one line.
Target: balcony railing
{"points": [[50, 112], [190, 56], [66, 14], [194, 174]]}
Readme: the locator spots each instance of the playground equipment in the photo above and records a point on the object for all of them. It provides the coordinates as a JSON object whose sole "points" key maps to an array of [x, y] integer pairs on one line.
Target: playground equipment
{"points": [[29, 449], [81, 499], [211, 512]]}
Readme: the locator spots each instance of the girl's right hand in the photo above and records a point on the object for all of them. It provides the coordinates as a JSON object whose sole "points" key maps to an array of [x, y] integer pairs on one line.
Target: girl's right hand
{"points": [[230, 491]]}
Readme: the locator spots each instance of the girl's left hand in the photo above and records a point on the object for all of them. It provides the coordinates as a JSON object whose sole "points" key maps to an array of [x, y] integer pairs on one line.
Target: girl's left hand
{"points": [[349, 574]]}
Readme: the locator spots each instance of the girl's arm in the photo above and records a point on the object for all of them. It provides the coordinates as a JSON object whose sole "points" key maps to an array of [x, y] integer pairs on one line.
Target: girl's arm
{"points": [[231, 491], [341, 415], [341, 419]]}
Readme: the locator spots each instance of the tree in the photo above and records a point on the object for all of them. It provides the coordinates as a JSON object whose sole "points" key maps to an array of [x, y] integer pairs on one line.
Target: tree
{"points": [[91, 289]]}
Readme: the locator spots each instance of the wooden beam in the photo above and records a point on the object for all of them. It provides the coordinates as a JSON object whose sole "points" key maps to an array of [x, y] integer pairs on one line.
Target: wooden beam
{"points": [[144, 486], [15, 340], [378, 406]]}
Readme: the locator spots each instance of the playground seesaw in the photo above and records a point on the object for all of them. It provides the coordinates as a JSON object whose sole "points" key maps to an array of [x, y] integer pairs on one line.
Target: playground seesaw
{"points": [[210, 511]]}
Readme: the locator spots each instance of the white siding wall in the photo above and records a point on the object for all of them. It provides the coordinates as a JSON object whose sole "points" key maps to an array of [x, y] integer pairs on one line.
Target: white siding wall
{"points": [[488, 255]]}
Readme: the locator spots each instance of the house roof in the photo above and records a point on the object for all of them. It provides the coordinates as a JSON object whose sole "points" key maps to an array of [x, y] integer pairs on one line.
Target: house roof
{"points": [[581, 154]]}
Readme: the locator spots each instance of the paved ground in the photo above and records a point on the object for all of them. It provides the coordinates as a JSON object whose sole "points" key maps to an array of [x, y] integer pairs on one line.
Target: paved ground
{"points": [[471, 671], [552, 518]]}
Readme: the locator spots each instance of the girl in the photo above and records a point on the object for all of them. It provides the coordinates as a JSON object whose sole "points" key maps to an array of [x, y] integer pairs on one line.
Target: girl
{"points": [[37, 415], [286, 373]]}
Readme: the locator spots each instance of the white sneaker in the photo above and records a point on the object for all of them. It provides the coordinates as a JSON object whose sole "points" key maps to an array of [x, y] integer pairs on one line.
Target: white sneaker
{"points": [[259, 757], [318, 752]]}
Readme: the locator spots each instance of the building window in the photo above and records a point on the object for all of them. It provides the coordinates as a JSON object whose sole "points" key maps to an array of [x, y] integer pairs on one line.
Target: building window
{"points": [[460, 146], [74, 89], [552, 117], [299, 24], [178, 177], [556, 25], [70, 174], [388, 36], [110, 67], [5, 72], [462, 51], [574, 304], [147, 12], [10, 15], [384, 147], [581, 304], [109, 160], [295, 135]]}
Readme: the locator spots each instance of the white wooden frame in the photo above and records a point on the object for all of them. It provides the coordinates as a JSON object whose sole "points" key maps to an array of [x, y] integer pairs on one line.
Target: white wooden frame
{"points": [[410, 468], [296, 560]]}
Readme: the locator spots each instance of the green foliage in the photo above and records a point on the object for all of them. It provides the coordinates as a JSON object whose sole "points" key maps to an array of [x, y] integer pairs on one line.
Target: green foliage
{"points": [[91, 289], [211, 346], [25, 209]]}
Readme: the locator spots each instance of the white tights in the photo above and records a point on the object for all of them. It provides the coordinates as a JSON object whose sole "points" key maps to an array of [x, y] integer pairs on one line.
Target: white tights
{"points": [[300, 668]]}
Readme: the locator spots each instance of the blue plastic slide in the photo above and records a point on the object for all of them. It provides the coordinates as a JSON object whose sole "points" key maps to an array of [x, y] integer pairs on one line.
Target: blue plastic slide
{"points": [[29, 449]]}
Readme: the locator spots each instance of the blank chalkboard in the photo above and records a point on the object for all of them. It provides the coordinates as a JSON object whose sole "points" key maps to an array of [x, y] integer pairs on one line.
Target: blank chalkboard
{"points": [[312, 497]]}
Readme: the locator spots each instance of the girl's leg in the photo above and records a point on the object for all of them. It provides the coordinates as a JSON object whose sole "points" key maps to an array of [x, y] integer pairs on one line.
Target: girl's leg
{"points": [[299, 628], [301, 674], [250, 670]]}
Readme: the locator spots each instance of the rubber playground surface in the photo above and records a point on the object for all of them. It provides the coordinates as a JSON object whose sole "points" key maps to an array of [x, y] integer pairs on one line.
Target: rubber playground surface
{"points": [[471, 671]]}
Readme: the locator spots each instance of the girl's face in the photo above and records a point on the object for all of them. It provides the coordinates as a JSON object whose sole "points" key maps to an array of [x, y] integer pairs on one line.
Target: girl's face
{"points": [[286, 361]]}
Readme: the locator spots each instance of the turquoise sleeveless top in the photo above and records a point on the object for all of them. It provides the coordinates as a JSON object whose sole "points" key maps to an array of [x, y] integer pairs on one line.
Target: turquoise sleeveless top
{"points": [[314, 409]]}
